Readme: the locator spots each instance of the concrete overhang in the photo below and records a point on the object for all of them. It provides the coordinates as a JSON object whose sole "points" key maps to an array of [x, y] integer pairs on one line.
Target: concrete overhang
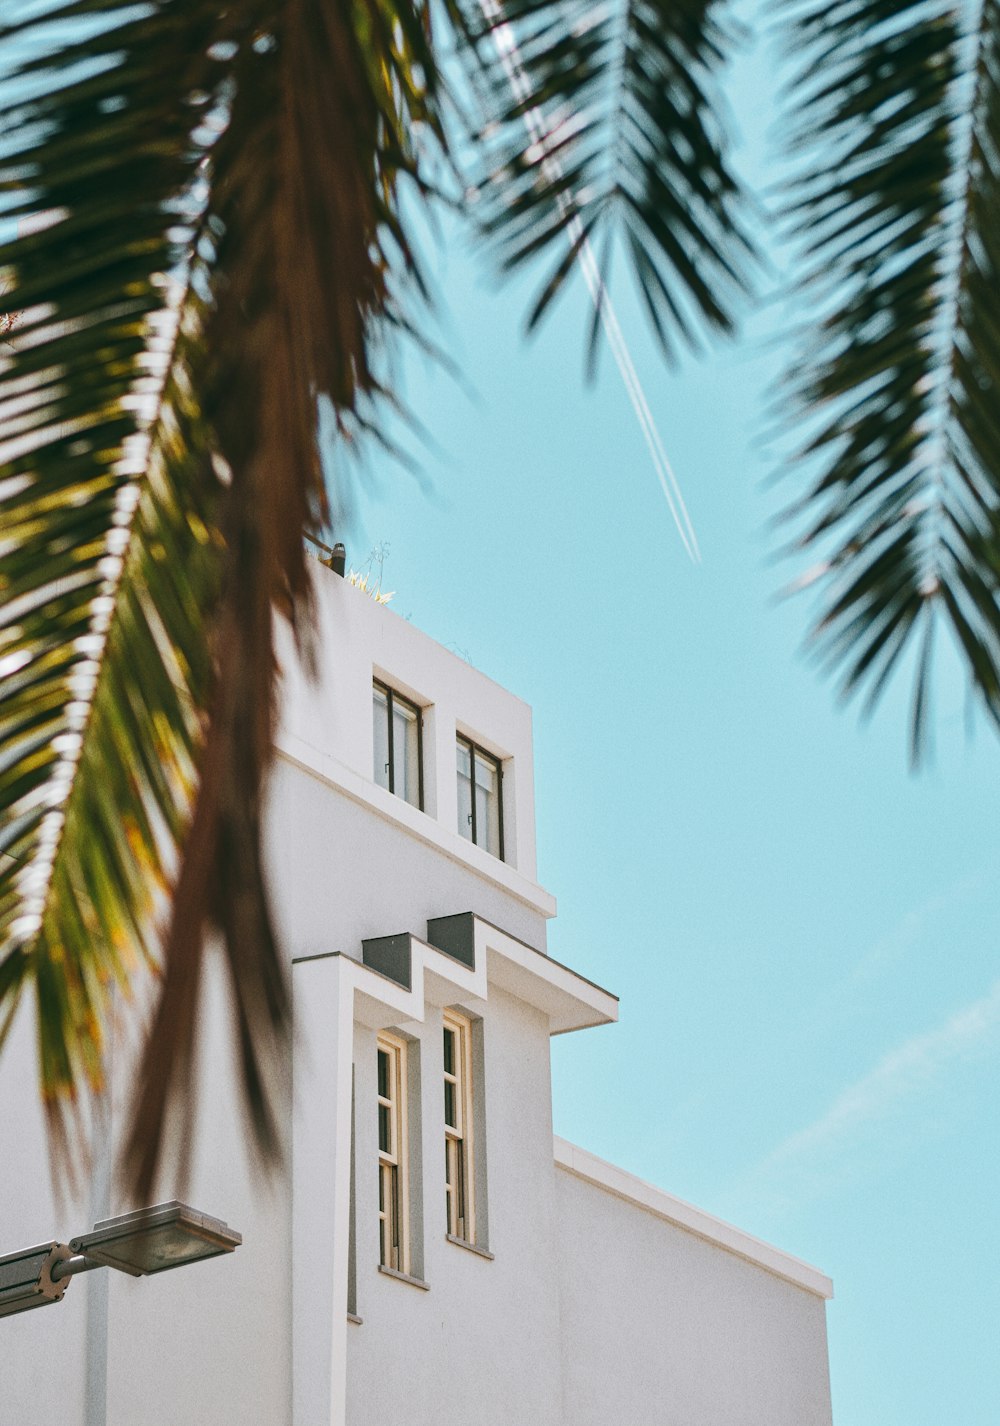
{"points": [[570, 1001], [465, 955]]}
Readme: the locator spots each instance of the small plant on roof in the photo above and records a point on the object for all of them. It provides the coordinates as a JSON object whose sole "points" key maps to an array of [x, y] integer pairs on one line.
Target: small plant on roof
{"points": [[369, 579]]}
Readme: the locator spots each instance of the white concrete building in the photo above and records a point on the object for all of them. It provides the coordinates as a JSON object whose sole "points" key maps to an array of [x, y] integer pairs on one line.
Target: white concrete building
{"points": [[431, 1254]]}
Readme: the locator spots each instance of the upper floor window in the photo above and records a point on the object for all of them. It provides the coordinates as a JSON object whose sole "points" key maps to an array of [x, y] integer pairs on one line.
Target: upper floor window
{"points": [[480, 797], [458, 1145], [397, 744], [393, 1216]]}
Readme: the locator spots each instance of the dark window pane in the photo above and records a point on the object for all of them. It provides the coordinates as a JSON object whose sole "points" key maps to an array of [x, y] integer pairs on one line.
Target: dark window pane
{"points": [[464, 757], [383, 1074], [449, 1051], [384, 1130], [460, 1185], [488, 804], [380, 715], [449, 1104], [406, 752]]}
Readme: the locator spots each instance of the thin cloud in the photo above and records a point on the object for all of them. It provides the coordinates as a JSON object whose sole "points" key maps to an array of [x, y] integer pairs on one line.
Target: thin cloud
{"points": [[911, 927], [812, 1160]]}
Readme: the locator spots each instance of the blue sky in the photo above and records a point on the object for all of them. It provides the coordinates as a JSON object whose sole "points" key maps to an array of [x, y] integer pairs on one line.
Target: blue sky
{"points": [[802, 932]]}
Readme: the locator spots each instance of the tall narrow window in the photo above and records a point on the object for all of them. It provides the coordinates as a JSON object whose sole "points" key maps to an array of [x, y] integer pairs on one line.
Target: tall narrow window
{"points": [[396, 725], [392, 1166], [480, 797], [458, 1145]]}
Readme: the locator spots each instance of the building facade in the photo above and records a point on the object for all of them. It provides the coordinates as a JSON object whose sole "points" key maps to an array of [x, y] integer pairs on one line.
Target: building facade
{"points": [[431, 1253]]}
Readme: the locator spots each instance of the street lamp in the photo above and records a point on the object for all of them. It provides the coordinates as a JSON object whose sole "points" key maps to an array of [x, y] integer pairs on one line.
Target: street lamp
{"points": [[151, 1240]]}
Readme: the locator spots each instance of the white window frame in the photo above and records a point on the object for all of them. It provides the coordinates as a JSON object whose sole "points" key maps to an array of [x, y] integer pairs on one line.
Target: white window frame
{"points": [[459, 1138], [393, 1162]]}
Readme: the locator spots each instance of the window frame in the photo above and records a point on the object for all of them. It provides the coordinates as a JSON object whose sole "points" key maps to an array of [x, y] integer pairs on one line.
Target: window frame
{"points": [[392, 695], [460, 1178], [477, 750], [393, 1164]]}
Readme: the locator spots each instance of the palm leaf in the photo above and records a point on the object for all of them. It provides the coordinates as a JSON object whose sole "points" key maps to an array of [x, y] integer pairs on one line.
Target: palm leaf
{"points": [[895, 138], [186, 172], [616, 130]]}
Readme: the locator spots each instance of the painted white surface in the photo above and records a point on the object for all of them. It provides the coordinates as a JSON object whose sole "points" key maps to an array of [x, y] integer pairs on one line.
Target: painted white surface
{"points": [[210, 1342], [342, 873], [604, 1299], [328, 720], [42, 1353], [482, 1345], [587, 1166], [660, 1325]]}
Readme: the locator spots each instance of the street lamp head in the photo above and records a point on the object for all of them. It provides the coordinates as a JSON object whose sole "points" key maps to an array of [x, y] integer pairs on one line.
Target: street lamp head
{"points": [[151, 1240]]}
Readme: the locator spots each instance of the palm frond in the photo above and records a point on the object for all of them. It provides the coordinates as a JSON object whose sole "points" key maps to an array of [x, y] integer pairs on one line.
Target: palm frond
{"points": [[615, 130], [896, 208], [158, 471]]}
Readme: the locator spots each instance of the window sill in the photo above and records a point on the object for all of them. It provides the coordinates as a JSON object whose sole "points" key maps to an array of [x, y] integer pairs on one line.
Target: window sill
{"points": [[353, 1317], [405, 1277], [470, 1247]]}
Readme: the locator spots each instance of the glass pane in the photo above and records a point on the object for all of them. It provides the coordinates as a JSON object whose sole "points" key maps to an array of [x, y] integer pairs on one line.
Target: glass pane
{"points": [[380, 728], [488, 804], [406, 752], [449, 1104], [383, 1074], [464, 790], [449, 1051], [384, 1130], [460, 1186]]}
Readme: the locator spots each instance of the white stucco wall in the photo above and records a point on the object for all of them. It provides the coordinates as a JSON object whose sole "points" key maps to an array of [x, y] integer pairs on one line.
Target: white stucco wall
{"points": [[42, 1353], [210, 1342], [598, 1305], [663, 1327], [344, 871], [482, 1345], [327, 722]]}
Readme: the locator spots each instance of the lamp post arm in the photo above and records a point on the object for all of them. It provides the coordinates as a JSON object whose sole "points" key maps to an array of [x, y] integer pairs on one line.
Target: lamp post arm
{"points": [[69, 1267]]}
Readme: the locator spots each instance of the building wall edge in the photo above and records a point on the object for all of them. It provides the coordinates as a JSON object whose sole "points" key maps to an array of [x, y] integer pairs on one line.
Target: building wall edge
{"points": [[584, 1165]]}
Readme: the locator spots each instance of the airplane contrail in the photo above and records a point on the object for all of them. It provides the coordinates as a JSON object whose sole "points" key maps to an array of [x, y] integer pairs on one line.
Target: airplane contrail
{"points": [[510, 59]]}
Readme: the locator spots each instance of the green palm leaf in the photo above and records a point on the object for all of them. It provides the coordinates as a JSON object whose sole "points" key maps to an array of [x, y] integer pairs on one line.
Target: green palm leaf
{"points": [[616, 131], [896, 141], [185, 173]]}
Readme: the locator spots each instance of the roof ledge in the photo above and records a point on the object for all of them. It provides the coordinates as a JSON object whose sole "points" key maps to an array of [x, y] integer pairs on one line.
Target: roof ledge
{"points": [[624, 1185]]}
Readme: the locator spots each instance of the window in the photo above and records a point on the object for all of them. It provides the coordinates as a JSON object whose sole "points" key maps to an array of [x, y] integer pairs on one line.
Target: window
{"points": [[392, 1166], [480, 797], [458, 1146], [397, 744]]}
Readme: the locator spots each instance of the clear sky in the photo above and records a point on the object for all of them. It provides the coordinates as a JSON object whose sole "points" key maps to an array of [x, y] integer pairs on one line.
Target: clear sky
{"points": [[802, 932]]}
